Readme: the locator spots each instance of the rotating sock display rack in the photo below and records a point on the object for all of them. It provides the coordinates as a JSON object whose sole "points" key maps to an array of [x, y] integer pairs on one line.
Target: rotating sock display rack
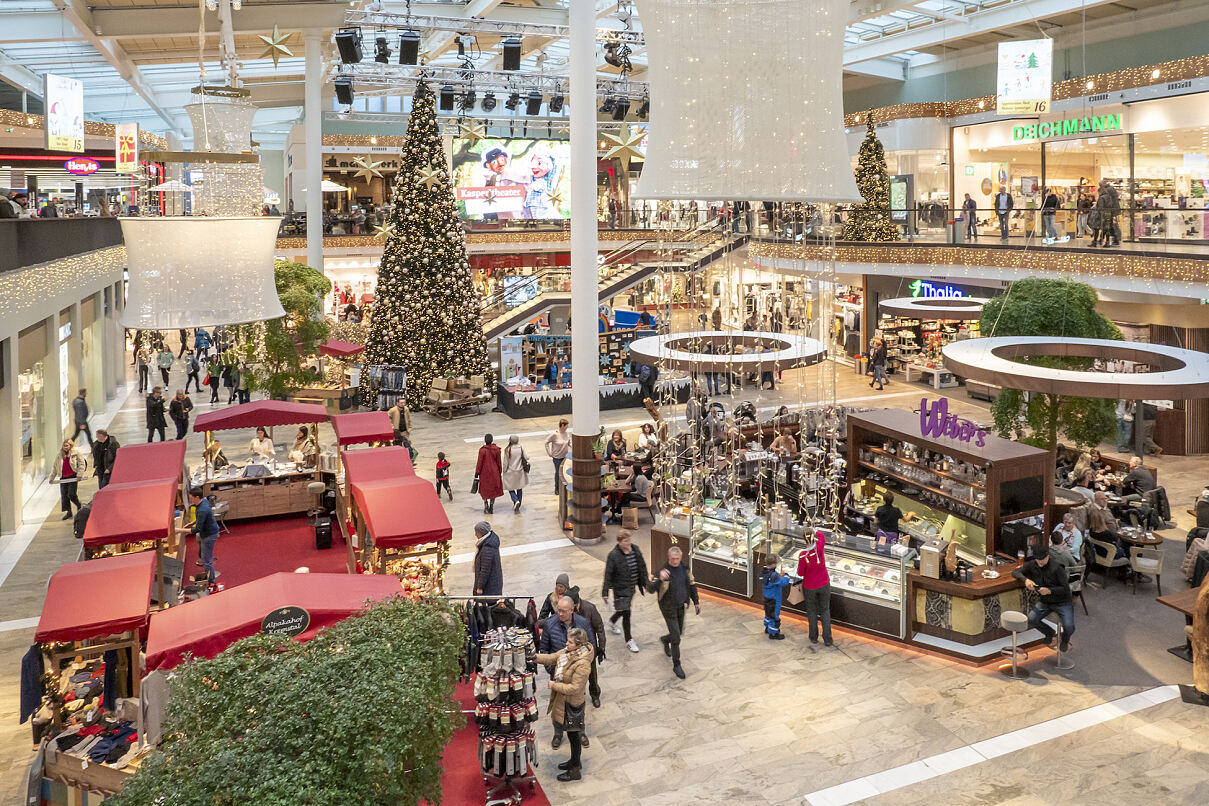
{"points": [[505, 704]]}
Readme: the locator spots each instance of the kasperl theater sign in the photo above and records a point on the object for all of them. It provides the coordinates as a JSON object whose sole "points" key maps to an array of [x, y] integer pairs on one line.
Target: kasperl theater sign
{"points": [[1087, 125]]}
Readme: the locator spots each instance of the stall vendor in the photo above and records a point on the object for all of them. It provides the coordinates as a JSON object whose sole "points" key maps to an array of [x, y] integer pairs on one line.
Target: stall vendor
{"points": [[305, 448], [261, 447], [888, 517], [784, 445], [214, 456]]}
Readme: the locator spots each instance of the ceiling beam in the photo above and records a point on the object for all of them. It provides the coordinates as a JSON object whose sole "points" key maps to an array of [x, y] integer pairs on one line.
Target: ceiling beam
{"points": [[253, 18], [894, 69], [868, 9], [28, 27], [20, 76]]}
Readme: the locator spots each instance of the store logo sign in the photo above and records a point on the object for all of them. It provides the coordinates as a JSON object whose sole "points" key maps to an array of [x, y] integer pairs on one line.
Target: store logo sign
{"points": [[923, 288], [81, 166], [1069, 127], [288, 621], [935, 421]]}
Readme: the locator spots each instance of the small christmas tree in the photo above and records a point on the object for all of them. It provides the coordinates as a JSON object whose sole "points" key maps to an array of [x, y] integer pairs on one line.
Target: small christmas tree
{"points": [[427, 314], [870, 220]]}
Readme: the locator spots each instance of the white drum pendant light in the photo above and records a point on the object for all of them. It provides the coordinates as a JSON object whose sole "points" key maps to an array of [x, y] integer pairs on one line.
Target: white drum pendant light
{"points": [[188, 272], [746, 101]]}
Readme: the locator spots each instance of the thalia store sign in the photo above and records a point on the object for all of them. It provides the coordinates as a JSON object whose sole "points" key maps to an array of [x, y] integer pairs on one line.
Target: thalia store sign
{"points": [[923, 288]]}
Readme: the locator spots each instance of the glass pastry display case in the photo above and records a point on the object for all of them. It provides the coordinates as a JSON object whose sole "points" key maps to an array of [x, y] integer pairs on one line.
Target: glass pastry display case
{"points": [[720, 549]]}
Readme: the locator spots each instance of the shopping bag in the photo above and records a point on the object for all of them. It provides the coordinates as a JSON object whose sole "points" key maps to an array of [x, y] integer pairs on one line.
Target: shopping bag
{"points": [[474, 485], [795, 595]]}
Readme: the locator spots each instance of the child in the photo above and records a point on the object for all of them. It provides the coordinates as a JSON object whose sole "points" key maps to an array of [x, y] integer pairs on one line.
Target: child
{"points": [[443, 475], [774, 585]]}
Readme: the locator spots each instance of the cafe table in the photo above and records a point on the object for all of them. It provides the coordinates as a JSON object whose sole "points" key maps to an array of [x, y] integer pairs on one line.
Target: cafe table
{"points": [[1184, 602]]}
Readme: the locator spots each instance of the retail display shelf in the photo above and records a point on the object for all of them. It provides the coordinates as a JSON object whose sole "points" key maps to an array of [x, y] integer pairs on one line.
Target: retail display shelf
{"points": [[941, 473], [932, 490]]}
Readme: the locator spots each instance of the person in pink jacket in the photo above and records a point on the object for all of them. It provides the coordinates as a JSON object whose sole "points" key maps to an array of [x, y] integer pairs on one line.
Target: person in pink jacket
{"points": [[816, 587]]}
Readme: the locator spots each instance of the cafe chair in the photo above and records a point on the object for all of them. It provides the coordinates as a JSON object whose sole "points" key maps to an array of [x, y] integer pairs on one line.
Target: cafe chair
{"points": [[1146, 561], [1014, 622], [1074, 577], [1105, 556]]}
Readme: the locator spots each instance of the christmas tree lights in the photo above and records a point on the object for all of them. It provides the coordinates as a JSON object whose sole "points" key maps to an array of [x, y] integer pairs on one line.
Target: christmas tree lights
{"points": [[870, 220], [427, 314]]}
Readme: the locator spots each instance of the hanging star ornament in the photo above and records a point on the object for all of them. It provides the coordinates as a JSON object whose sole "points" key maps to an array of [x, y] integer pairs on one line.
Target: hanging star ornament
{"points": [[275, 46], [472, 132], [623, 149], [489, 199], [556, 199], [368, 168], [384, 231], [430, 177]]}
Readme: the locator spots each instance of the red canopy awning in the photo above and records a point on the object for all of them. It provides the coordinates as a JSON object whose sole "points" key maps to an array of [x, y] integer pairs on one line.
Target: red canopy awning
{"points": [[96, 598], [340, 349], [377, 464], [402, 512], [363, 426], [211, 624], [267, 413], [132, 511], [149, 461]]}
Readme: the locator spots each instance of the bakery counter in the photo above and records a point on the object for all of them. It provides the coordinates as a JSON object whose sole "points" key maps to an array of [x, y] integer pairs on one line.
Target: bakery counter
{"points": [[962, 618], [279, 491]]}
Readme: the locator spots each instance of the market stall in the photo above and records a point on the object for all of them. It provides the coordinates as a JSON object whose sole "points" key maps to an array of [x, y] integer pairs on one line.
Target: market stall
{"points": [[400, 526], [88, 638], [299, 605], [134, 517], [365, 427], [149, 461], [259, 488]]}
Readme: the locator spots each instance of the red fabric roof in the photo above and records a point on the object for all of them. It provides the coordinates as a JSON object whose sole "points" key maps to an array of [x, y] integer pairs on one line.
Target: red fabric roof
{"points": [[211, 624], [132, 511], [149, 461], [97, 598], [402, 512], [267, 413], [364, 426], [340, 349], [377, 464]]}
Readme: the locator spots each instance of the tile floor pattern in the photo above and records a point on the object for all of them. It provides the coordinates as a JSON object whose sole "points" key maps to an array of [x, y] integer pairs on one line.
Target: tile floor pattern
{"points": [[759, 722]]}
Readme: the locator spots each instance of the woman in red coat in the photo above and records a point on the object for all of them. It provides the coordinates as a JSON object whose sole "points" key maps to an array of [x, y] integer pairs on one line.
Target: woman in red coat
{"points": [[487, 474]]}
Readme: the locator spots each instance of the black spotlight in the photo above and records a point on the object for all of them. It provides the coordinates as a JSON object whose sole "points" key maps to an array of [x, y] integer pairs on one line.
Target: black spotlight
{"points": [[489, 102], [514, 100], [609, 104], [533, 103], [344, 90], [409, 48], [512, 53], [468, 99], [621, 108], [381, 50], [445, 101], [556, 104], [348, 42], [644, 110]]}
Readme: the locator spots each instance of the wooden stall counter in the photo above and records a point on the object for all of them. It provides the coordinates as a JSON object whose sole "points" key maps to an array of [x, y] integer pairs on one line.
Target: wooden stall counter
{"points": [[963, 617], [283, 492]]}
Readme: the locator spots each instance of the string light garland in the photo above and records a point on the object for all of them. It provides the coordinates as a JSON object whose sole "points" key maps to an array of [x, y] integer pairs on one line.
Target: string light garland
{"points": [[92, 128], [22, 288], [477, 238], [427, 314], [364, 140]]}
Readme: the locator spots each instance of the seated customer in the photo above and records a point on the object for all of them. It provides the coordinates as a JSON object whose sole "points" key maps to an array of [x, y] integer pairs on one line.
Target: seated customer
{"points": [[784, 445], [1069, 536], [1059, 552], [1048, 579], [1086, 484], [640, 485], [1138, 481]]}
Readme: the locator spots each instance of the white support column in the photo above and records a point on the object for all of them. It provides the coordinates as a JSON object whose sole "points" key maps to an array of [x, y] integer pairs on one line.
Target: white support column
{"points": [[313, 112], [585, 392], [10, 437]]}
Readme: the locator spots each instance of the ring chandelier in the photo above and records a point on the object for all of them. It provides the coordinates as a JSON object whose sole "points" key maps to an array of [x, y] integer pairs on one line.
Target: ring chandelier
{"points": [[761, 351], [1177, 374], [954, 308]]}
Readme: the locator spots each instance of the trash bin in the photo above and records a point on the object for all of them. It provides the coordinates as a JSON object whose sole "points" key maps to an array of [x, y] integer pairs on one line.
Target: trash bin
{"points": [[958, 228]]}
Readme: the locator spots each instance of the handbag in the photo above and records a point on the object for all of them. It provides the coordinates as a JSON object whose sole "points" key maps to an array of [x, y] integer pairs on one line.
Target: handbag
{"points": [[795, 595], [525, 463], [474, 485], [206, 380], [573, 717]]}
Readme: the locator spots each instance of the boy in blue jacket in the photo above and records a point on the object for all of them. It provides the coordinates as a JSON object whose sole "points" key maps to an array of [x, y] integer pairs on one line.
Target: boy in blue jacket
{"points": [[774, 584]]}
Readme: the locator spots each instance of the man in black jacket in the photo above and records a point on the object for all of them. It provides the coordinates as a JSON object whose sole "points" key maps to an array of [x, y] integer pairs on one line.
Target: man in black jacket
{"points": [[104, 454], [674, 587], [179, 409], [1048, 580], [155, 414], [597, 633]]}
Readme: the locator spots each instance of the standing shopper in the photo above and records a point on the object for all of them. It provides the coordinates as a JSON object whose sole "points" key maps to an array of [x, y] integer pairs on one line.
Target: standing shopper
{"points": [[675, 587], [558, 445], [969, 209], [553, 634], [205, 528], [164, 362], [774, 584], [230, 379], [515, 471], [572, 667], [213, 378], [79, 413], [104, 454], [596, 634], [1003, 209], [66, 471], [442, 471], [179, 410], [244, 387], [155, 414], [488, 482], [816, 587], [1049, 209], [878, 359], [192, 371], [488, 573], [144, 366], [625, 572]]}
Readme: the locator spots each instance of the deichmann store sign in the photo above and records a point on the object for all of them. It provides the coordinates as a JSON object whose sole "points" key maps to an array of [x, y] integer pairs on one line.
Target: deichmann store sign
{"points": [[1069, 127]]}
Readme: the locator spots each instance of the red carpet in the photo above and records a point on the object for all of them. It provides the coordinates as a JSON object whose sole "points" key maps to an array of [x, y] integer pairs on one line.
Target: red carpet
{"points": [[461, 779], [257, 548]]}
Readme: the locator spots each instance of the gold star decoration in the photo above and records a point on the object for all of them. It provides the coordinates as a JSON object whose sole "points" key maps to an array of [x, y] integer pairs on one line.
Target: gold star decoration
{"points": [[384, 231], [368, 168], [489, 199], [472, 132], [556, 199], [275, 46], [623, 149], [433, 178]]}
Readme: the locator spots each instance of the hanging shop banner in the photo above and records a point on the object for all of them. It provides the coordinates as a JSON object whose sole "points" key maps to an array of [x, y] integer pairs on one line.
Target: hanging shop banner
{"points": [[64, 98], [511, 357], [126, 148], [1025, 82]]}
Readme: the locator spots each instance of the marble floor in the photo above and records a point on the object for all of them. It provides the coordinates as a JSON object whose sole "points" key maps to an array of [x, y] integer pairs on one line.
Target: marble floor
{"points": [[762, 722]]}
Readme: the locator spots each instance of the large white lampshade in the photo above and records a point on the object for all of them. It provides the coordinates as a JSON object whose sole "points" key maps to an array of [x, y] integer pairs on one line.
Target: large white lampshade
{"points": [[188, 272], [746, 101]]}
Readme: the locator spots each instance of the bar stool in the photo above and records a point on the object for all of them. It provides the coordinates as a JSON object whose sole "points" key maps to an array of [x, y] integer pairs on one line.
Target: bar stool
{"points": [[317, 489], [1014, 622], [1060, 660]]}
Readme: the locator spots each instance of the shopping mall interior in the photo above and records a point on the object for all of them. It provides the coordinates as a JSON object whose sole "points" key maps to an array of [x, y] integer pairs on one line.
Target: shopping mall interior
{"points": [[840, 369]]}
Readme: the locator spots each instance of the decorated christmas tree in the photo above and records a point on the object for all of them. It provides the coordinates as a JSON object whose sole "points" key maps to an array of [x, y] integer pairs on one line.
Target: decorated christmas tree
{"points": [[870, 220], [426, 317]]}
